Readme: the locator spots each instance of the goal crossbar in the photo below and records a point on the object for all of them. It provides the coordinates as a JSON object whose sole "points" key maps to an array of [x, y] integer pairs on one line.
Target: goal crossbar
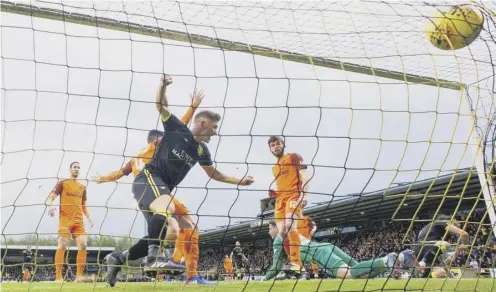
{"points": [[113, 24]]}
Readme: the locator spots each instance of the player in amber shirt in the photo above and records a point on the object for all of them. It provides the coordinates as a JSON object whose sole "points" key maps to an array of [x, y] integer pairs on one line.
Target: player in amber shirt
{"points": [[291, 181], [228, 266], [72, 207]]}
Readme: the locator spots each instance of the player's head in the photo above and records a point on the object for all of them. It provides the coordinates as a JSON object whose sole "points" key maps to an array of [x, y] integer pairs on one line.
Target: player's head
{"points": [[154, 136], [273, 230], [205, 125], [276, 145], [28, 248], [227, 256], [74, 168]]}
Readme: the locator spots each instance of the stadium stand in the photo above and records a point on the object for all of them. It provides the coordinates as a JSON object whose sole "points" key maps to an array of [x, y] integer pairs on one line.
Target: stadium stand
{"points": [[12, 262], [362, 225]]}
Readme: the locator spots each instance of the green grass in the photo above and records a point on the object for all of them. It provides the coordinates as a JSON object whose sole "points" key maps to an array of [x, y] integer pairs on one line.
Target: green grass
{"points": [[283, 286]]}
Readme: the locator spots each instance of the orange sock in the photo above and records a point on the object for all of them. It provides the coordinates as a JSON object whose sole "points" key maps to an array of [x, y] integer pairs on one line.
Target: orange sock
{"points": [[59, 261], [192, 252], [294, 247], [80, 262], [179, 246]]}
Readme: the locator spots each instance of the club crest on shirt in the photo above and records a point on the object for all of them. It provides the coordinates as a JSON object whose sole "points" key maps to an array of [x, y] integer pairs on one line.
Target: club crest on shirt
{"points": [[200, 150]]}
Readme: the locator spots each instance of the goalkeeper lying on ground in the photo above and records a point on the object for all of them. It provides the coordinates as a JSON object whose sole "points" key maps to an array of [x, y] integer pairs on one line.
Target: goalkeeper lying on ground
{"points": [[337, 263]]}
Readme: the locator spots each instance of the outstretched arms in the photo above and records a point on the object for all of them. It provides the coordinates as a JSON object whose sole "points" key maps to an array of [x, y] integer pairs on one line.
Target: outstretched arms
{"points": [[115, 175], [214, 174]]}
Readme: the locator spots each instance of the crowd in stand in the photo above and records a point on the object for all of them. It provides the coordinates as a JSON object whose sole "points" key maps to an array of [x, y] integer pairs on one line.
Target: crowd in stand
{"points": [[12, 271], [375, 243], [362, 245]]}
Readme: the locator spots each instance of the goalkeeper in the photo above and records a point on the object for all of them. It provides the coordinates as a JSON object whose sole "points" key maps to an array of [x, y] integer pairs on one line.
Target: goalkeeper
{"points": [[331, 258]]}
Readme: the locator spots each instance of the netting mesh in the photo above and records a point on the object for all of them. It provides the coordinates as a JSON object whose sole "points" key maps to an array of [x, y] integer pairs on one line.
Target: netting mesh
{"points": [[79, 82]]}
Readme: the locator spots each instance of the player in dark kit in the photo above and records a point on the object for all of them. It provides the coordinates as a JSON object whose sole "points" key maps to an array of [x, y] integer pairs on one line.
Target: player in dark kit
{"points": [[237, 256], [27, 267], [179, 150], [431, 244]]}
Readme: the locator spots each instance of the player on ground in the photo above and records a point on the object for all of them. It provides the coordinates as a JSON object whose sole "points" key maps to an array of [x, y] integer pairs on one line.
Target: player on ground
{"points": [[291, 180], [329, 257], [179, 150], [431, 245], [238, 255], [228, 266], [72, 207], [134, 166]]}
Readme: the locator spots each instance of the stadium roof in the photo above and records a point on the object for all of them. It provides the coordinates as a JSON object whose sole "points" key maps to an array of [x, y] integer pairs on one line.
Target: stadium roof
{"points": [[360, 210]]}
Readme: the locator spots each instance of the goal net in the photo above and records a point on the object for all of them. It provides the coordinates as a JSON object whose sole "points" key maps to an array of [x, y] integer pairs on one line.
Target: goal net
{"points": [[394, 131]]}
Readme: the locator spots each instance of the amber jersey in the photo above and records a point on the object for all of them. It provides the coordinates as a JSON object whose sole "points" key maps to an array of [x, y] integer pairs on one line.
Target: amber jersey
{"points": [[138, 162], [287, 174], [72, 195], [177, 153]]}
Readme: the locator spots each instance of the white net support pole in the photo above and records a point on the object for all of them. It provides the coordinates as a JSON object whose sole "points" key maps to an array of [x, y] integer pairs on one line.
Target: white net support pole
{"points": [[484, 171]]}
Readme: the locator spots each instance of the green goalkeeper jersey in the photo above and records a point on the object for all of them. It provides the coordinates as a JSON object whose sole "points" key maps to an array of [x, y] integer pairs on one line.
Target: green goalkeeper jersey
{"points": [[321, 253]]}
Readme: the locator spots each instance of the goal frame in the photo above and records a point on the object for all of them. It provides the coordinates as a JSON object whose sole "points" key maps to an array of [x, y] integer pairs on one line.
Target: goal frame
{"points": [[477, 145]]}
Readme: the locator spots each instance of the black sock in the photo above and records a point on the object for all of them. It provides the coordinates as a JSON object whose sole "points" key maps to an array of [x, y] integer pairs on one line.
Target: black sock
{"points": [[157, 229], [137, 251]]}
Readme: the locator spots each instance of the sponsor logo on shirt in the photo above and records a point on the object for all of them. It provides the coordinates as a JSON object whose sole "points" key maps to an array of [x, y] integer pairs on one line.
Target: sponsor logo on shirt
{"points": [[184, 157]]}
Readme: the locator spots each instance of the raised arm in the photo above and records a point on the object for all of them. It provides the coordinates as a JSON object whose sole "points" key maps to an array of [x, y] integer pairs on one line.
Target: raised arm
{"points": [[55, 192], [196, 100], [214, 174], [161, 99]]}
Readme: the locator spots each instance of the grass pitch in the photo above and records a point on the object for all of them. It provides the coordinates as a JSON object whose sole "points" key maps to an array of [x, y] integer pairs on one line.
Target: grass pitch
{"points": [[283, 286]]}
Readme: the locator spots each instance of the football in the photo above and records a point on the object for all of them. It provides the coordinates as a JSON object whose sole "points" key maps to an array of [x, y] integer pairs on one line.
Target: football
{"points": [[456, 28]]}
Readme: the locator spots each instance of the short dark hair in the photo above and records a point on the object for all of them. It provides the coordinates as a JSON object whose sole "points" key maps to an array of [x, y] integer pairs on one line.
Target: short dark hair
{"points": [[153, 135], [275, 138], [215, 117], [72, 163], [273, 223]]}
